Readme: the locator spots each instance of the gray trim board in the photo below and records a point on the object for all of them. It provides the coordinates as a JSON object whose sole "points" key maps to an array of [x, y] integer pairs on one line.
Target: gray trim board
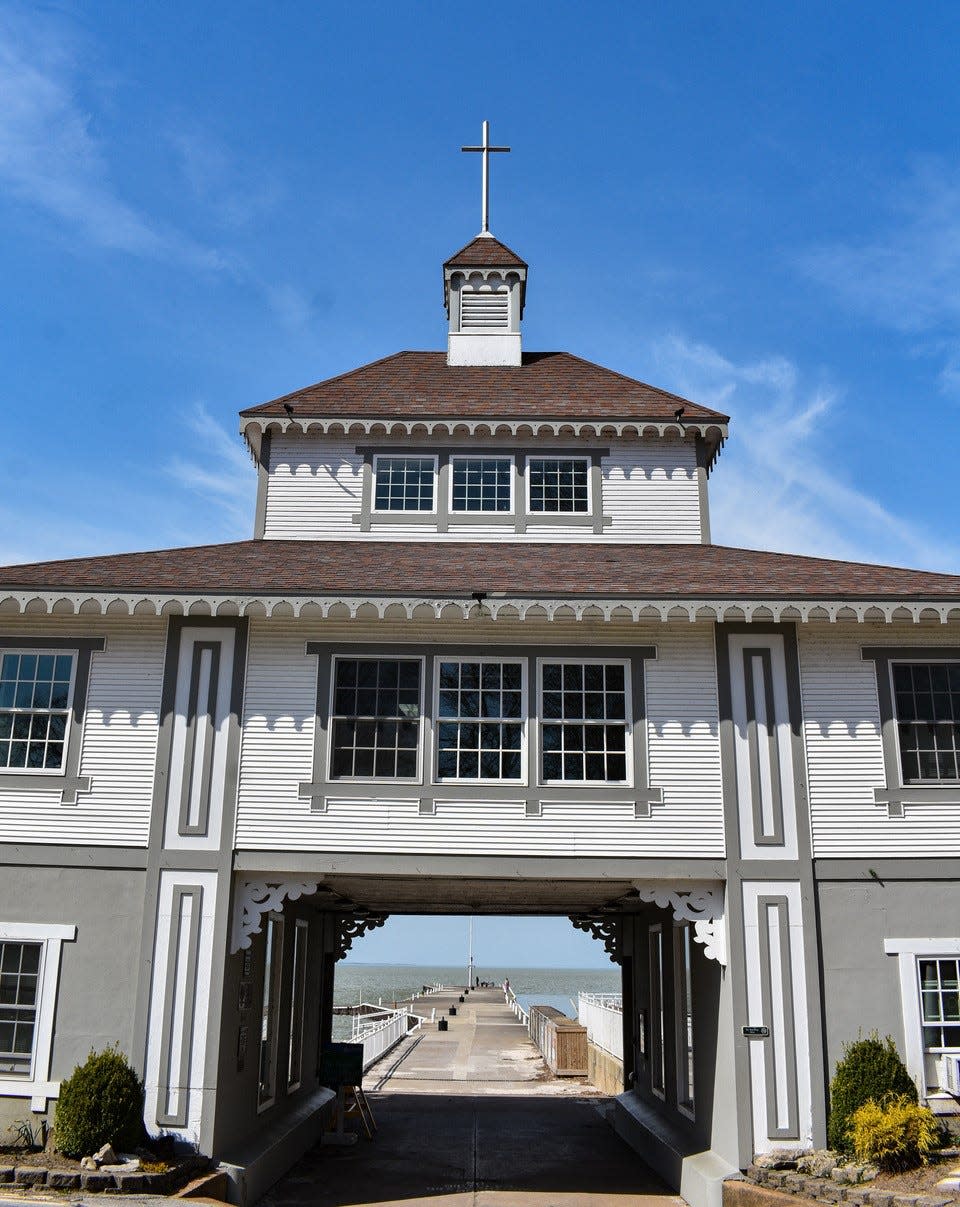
{"points": [[932, 868], [69, 781], [181, 895], [220, 861], [703, 495], [58, 855], [785, 992], [896, 794], [760, 836], [198, 725]]}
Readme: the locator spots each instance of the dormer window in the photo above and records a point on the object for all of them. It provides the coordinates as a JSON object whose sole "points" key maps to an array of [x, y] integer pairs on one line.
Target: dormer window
{"points": [[559, 484], [404, 483], [482, 484], [484, 310]]}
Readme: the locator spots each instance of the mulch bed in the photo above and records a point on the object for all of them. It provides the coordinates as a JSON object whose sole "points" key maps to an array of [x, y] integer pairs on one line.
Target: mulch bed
{"points": [[33, 1168]]}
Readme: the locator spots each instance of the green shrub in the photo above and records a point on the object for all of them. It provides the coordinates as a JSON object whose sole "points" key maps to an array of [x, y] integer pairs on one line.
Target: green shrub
{"points": [[101, 1102], [871, 1070], [894, 1134]]}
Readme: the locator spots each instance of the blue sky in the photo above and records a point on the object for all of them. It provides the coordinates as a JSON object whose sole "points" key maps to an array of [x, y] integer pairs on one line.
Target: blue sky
{"points": [[203, 206]]}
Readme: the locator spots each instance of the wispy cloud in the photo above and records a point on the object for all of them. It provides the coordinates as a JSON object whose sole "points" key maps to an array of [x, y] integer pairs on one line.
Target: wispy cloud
{"points": [[232, 192], [223, 477], [907, 277], [777, 484], [51, 159]]}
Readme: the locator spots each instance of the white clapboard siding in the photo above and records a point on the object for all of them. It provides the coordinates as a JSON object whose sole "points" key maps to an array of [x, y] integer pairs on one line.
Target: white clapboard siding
{"points": [[650, 492], [277, 755], [845, 754], [119, 746], [314, 492], [683, 740], [314, 489]]}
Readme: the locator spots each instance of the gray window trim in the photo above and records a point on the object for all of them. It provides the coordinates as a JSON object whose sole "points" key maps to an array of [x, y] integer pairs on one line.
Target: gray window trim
{"points": [[896, 795], [532, 791], [443, 518], [69, 780], [263, 487]]}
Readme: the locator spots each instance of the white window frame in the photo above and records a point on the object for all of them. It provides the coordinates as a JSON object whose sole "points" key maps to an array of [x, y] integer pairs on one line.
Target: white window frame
{"points": [[493, 456], [38, 1087], [375, 779], [919, 783], [436, 718], [272, 972], [68, 734], [412, 456], [298, 1001], [909, 952], [685, 1044], [587, 461], [628, 722]]}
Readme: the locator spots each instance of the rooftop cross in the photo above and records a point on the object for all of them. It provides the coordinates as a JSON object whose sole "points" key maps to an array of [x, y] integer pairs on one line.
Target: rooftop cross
{"points": [[485, 150]]}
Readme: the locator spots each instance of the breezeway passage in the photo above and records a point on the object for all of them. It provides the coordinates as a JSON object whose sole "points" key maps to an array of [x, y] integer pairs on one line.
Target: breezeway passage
{"points": [[472, 1115]]}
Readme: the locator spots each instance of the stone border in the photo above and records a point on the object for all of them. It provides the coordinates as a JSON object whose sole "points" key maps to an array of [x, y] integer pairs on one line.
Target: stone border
{"points": [[833, 1190], [34, 1177]]}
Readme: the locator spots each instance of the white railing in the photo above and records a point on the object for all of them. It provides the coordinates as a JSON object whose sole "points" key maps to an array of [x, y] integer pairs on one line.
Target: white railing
{"points": [[602, 1015], [511, 999], [378, 1035]]}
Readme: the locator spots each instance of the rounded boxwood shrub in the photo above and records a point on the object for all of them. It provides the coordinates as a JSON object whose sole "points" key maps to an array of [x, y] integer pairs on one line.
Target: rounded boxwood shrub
{"points": [[870, 1071], [101, 1102]]}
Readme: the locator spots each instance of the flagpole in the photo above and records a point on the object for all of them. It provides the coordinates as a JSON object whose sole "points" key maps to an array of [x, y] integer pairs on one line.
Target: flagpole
{"points": [[470, 955]]}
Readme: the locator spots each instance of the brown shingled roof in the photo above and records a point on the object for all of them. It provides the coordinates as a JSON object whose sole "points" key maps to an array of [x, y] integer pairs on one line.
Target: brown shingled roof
{"points": [[485, 252], [548, 385], [457, 569]]}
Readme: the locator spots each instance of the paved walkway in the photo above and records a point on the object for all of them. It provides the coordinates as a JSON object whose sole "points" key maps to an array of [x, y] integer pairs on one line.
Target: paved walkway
{"points": [[472, 1116], [486, 1050]]}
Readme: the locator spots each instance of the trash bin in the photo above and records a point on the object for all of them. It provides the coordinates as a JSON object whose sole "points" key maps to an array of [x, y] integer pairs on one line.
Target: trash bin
{"points": [[452, 1010], [461, 997], [443, 1025]]}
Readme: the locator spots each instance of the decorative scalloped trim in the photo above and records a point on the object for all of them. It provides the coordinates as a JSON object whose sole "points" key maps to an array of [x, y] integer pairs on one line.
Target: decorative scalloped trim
{"points": [[372, 607], [256, 898], [700, 904]]}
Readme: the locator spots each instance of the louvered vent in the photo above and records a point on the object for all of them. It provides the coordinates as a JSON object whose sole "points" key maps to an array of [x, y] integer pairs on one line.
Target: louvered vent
{"points": [[484, 311]]}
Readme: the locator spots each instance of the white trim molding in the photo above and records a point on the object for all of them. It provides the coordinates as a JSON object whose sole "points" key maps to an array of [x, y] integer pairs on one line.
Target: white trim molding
{"points": [[701, 904], [38, 1087], [907, 952], [257, 897]]}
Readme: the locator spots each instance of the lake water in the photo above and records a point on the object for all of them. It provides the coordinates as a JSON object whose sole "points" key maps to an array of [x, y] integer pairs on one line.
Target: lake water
{"points": [[557, 987]]}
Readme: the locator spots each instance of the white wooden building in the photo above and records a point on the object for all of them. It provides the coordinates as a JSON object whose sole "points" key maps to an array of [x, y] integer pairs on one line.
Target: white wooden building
{"points": [[480, 656]]}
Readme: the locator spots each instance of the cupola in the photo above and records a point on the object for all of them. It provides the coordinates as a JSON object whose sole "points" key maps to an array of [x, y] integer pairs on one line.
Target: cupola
{"points": [[484, 288]]}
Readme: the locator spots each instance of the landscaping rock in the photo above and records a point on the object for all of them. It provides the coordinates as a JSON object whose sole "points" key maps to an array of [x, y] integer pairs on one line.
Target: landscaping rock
{"points": [[6, 1173], [881, 1198], [905, 1200], [818, 1163], [130, 1183], [106, 1155], [852, 1174], [794, 1182], [96, 1181], [933, 1200], [778, 1158], [63, 1179], [30, 1175]]}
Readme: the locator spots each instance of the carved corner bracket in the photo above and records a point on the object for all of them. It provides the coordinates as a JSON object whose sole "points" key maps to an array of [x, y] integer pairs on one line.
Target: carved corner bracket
{"points": [[603, 927], [700, 904], [258, 897], [353, 926]]}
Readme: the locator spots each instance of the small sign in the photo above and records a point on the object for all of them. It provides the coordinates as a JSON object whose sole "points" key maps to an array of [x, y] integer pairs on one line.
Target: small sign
{"points": [[341, 1064], [756, 1032], [241, 1048], [246, 996]]}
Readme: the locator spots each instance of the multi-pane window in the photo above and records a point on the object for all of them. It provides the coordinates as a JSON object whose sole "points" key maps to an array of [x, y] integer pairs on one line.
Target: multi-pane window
{"points": [[927, 699], [298, 987], [270, 1012], [34, 709], [376, 718], [404, 483], [658, 1060], [940, 1002], [583, 706], [19, 983], [481, 484], [558, 484], [480, 720], [683, 1006]]}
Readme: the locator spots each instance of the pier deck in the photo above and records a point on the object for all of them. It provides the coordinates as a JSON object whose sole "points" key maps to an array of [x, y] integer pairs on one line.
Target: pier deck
{"points": [[485, 1050]]}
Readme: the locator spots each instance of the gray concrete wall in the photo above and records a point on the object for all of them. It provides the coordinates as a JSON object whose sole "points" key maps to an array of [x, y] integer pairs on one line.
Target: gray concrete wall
{"points": [[98, 972], [861, 983]]}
